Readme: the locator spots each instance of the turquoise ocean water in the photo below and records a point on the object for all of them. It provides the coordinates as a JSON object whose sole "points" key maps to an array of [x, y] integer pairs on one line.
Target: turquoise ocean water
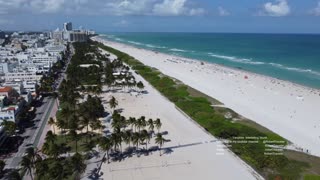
{"points": [[290, 57]]}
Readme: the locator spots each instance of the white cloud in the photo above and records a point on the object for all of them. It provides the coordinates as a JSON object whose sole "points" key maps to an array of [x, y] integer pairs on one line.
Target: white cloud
{"points": [[101, 7], [175, 8], [129, 7], [122, 23], [279, 8], [47, 6], [223, 12], [316, 10]]}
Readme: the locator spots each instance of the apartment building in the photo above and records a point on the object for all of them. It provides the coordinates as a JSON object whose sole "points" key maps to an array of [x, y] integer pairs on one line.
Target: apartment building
{"points": [[22, 76]]}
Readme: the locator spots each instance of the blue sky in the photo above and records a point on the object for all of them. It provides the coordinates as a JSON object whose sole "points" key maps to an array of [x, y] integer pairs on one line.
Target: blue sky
{"points": [[267, 16]]}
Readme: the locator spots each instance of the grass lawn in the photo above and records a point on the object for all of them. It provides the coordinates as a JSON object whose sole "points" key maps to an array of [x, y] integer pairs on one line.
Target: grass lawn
{"points": [[313, 161], [83, 142], [311, 177], [254, 125], [195, 93]]}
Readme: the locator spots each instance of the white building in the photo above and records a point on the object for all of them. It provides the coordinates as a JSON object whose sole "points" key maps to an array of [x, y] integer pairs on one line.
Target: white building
{"points": [[29, 86], [16, 85], [57, 49], [44, 58], [57, 35], [4, 68], [22, 76], [67, 26]]}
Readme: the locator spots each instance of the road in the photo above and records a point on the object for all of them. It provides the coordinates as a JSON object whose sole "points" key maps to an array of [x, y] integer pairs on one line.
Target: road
{"points": [[32, 134]]}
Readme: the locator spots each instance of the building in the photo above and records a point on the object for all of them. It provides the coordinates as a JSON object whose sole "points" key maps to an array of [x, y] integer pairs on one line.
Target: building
{"points": [[4, 68], [29, 86], [22, 76], [57, 35], [46, 58], [9, 113], [67, 26], [75, 36], [2, 35], [16, 85], [7, 91]]}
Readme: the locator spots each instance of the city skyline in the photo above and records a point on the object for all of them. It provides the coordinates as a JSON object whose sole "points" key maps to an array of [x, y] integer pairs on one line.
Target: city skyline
{"points": [[266, 16]]}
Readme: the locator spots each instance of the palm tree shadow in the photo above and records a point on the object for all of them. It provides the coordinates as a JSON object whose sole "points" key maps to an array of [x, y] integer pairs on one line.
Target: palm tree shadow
{"points": [[105, 114], [94, 175], [167, 151], [164, 133]]}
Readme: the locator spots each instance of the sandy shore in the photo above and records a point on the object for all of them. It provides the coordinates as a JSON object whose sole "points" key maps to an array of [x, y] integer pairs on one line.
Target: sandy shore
{"points": [[288, 109], [191, 153]]}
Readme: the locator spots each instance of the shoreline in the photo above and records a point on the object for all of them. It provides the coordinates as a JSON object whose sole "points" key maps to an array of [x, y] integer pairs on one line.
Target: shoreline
{"points": [[194, 151], [258, 96], [219, 65]]}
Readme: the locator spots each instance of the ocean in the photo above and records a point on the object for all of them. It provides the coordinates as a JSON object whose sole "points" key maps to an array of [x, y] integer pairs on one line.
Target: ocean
{"points": [[289, 57]]}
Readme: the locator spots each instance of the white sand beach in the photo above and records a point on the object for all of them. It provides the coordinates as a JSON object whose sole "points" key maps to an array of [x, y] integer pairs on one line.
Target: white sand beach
{"points": [[191, 153], [290, 110]]}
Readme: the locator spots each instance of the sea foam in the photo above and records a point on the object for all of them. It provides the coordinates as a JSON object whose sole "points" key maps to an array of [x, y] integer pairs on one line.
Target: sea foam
{"points": [[276, 65], [235, 59], [177, 50]]}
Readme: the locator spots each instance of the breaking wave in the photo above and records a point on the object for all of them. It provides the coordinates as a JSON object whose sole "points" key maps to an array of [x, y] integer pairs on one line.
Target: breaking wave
{"points": [[276, 65]]}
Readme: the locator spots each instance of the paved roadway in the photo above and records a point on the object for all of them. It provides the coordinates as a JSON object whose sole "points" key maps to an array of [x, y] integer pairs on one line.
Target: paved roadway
{"points": [[32, 134]]}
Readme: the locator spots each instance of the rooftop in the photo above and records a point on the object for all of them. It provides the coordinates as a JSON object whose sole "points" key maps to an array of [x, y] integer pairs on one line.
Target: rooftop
{"points": [[5, 89]]}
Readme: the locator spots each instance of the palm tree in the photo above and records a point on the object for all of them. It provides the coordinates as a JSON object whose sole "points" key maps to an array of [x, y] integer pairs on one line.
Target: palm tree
{"points": [[32, 154], [74, 136], [123, 122], [98, 90], [77, 163], [151, 125], [141, 123], [54, 151], [56, 171], [46, 148], [113, 103], [136, 139], [144, 137], [160, 141], [61, 124], [89, 145], [2, 165], [26, 165], [50, 137], [15, 175], [66, 113], [9, 126], [140, 85], [115, 140], [158, 124], [115, 124], [41, 169], [52, 122], [132, 122], [106, 145], [85, 121], [127, 137]]}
